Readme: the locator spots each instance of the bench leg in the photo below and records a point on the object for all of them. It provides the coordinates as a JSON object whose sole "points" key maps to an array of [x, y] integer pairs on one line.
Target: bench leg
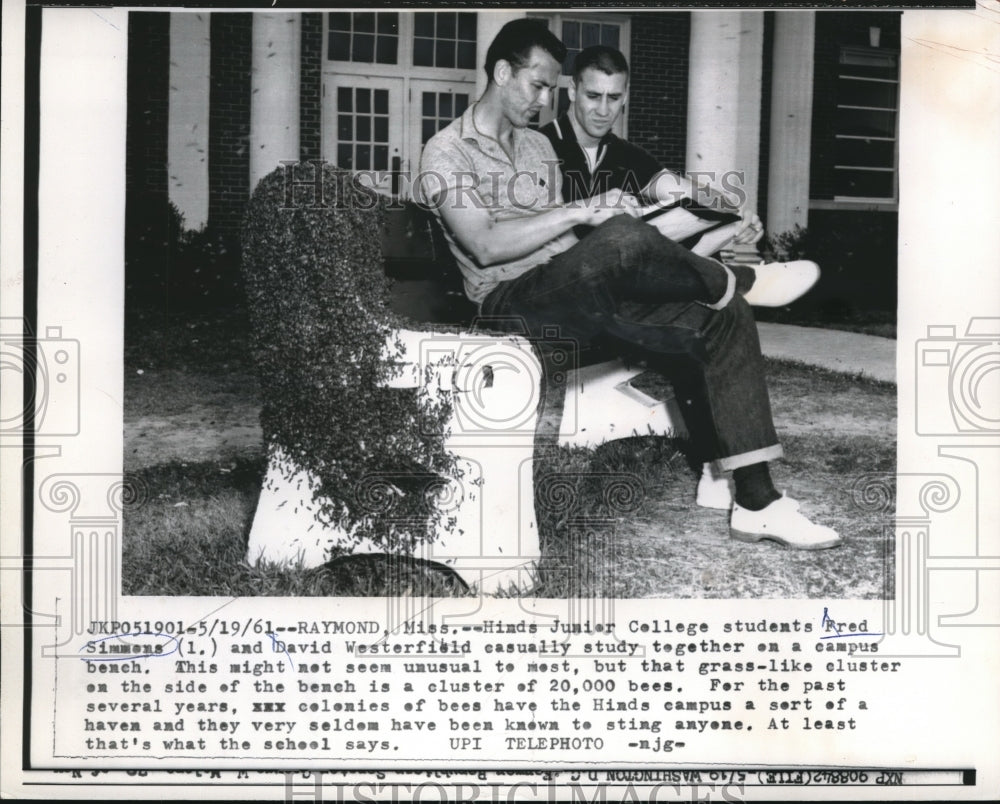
{"points": [[487, 531], [285, 530], [601, 405], [492, 543]]}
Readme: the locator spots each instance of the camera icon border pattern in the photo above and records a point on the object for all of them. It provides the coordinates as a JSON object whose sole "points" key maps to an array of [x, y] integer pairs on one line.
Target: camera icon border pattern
{"points": [[52, 363], [953, 380]]}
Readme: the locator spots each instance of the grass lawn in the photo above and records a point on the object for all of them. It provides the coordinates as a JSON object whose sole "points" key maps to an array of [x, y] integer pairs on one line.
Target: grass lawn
{"points": [[193, 447]]}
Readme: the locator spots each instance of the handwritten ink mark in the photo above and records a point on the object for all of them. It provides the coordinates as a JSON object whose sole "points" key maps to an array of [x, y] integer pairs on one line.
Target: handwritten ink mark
{"points": [[129, 656], [833, 625], [103, 19], [274, 646]]}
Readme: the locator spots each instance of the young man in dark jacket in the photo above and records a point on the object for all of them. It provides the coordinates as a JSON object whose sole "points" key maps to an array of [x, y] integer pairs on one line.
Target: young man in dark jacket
{"points": [[489, 178], [593, 160]]}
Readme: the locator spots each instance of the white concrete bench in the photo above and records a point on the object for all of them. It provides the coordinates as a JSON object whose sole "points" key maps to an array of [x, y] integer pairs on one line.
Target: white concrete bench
{"points": [[483, 515], [494, 382]]}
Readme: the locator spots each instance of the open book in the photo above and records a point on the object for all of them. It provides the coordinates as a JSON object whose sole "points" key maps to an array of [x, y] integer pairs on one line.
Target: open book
{"points": [[683, 219]]}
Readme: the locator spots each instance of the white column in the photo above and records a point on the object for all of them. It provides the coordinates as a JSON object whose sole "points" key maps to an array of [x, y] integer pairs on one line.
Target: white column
{"points": [[489, 25], [274, 94], [791, 121], [187, 118], [724, 97]]}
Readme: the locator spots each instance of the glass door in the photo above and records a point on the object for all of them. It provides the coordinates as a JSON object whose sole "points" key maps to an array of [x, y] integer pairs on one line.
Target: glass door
{"points": [[363, 128], [432, 106]]}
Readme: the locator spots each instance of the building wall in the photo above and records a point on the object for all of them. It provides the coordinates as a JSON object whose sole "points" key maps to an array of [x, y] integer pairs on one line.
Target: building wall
{"points": [[229, 122], [833, 30], [767, 75], [311, 87], [857, 248], [146, 121], [657, 109], [659, 85]]}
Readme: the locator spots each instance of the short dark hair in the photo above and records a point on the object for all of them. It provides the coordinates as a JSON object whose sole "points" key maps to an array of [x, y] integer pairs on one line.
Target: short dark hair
{"points": [[599, 57], [516, 40]]}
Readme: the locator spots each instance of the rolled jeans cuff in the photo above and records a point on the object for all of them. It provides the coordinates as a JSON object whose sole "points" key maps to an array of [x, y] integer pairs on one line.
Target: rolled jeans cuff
{"points": [[762, 455], [730, 290]]}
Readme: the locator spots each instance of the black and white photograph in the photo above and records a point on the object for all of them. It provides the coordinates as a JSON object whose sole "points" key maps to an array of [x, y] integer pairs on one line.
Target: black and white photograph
{"points": [[459, 402], [269, 462]]}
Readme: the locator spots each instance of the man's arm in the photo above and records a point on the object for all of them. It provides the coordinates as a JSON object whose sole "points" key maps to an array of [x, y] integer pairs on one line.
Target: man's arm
{"points": [[668, 187], [491, 241], [448, 183]]}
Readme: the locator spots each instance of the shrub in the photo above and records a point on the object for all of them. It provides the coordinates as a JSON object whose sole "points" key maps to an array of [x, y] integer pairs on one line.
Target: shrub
{"points": [[319, 308], [167, 264], [856, 250], [153, 229], [790, 245]]}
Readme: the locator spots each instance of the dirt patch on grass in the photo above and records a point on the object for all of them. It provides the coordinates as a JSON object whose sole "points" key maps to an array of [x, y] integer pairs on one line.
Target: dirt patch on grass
{"points": [[200, 436], [835, 429], [809, 400], [174, 415]]}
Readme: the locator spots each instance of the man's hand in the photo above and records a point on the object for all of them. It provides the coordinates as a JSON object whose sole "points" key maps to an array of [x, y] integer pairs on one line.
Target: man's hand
{"points": [[751, 229], [603, 207]]}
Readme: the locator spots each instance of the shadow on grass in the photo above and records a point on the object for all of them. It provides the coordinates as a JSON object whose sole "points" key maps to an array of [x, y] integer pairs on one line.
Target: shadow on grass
{"points": [[615, 522], [189, 537]]}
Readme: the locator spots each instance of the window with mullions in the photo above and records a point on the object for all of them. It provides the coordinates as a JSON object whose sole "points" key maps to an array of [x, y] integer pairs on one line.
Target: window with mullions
{"points": [[362, 128], [444, 39], [580, 34], [577, 33], [867, 108], [438, 109], [369, 37]]}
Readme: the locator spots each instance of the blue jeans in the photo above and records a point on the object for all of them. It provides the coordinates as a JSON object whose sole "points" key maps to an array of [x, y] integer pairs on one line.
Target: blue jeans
{"points": [[627, 286]]}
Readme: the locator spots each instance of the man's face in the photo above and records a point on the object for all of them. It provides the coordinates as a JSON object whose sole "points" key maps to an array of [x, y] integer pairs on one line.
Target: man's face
{"points": [[525, 92], [598, 100]]}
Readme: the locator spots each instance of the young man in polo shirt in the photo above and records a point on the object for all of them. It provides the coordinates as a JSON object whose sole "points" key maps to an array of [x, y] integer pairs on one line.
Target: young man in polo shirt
{"points": [[495, 185], [593, 160]]}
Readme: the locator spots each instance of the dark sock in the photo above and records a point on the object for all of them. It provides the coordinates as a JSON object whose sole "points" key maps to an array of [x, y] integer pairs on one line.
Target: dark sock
{"points": [[754, 489], [745, 276]]}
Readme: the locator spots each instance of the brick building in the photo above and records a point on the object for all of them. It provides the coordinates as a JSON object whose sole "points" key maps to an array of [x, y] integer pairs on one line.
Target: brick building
{"points": [[803, 103]]}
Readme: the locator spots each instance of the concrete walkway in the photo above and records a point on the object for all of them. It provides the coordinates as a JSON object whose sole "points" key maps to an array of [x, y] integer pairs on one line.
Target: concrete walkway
{"points": [[848, 352]]}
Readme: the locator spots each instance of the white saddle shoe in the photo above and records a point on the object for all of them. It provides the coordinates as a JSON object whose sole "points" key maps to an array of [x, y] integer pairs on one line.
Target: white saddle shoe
{"points": [[714, 491], [781, 283], [781, 522]]}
